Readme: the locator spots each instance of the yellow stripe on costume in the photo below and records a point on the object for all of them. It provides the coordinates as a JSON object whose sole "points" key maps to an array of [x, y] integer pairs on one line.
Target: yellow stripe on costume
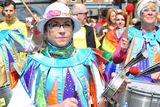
{"points": [[2, 102], [3, 75], [156, 59]]}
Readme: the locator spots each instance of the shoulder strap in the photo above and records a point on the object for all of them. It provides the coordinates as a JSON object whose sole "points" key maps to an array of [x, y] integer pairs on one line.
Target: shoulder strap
{"points": [[90, 37]]}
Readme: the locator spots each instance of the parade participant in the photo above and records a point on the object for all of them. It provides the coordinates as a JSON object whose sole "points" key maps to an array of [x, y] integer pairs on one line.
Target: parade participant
{"points": [[109, 25], [110, 43], [102, 20], [1, 13], [8, 55], [61, 75], [146, 37], [10, 20], [11, 43], [111, 39], [86, 36]]}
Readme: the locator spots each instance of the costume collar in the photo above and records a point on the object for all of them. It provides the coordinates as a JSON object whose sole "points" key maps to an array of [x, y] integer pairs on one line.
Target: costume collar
{"points": [[138, 26], [57, 52]]}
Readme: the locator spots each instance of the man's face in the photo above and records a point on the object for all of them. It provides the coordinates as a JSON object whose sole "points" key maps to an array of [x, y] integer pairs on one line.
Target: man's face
{"points": [[9, 12], [59, 31], [82, 16]]}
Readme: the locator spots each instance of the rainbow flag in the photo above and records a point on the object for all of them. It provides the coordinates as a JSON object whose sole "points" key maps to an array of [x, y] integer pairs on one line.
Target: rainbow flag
{"points": [[109, 44]]}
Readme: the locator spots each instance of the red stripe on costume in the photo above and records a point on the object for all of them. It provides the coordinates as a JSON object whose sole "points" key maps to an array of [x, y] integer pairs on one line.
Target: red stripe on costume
{"points": [[93, 92]]}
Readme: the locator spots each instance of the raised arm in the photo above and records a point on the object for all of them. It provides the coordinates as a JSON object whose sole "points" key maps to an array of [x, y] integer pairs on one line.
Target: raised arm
{"points": [[120, 53]]}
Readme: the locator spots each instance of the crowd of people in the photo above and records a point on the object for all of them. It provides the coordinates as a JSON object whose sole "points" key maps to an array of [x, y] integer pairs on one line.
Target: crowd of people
{"points": [[62, 60]]}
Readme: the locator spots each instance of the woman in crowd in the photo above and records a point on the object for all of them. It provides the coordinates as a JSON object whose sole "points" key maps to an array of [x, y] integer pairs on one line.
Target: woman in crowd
{"points": [[111, 39], [146, 36], [110, 23], [110, 42]]}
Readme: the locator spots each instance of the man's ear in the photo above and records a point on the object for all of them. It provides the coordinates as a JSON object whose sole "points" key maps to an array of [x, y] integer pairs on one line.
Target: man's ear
{"points": [[3, 14]]}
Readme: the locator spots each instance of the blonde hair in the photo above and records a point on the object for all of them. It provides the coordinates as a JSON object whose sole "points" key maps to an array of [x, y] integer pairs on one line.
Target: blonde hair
{"points": [[141, 5]]}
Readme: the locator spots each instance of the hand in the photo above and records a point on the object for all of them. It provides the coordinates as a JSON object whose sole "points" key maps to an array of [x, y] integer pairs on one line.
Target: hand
{"points": [[69, 102], [29, 23], [35, 19], [103, 102], [124, 84], [32, 21], [124, 45]]}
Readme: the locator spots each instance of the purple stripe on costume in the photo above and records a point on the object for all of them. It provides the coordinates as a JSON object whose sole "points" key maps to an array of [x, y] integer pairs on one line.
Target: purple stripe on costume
{"points": [[144, 64], [28, 76], [69, 88], [10, 58], [110, 67]]}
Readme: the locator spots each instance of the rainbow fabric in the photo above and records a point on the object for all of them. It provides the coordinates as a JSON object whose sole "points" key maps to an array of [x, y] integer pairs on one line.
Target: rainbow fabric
{"points": [[57, 79], [9, 39], [109, 44]]}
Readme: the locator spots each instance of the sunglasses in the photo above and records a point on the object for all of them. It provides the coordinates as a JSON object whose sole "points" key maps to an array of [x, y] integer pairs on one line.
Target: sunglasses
{"points": [[84, 13]]}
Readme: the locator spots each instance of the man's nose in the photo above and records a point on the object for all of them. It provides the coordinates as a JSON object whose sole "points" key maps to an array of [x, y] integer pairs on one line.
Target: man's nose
{"points": [[61, 29]]}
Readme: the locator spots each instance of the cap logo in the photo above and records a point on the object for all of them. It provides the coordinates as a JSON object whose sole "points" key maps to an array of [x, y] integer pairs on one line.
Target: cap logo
{"points": [[53, 13]]}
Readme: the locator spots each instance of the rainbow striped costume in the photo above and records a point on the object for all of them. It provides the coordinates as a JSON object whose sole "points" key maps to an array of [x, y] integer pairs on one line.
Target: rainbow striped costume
{"points": [[56, 79], [9, 53]]}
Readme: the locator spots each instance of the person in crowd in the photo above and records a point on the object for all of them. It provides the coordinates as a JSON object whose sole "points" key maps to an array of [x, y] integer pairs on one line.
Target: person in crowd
{"points": [[146, 36], [12, 43], [8, 55], [10, 20], [1, 13], [109, 25], [86, 37], [60, 75], [110, 43], [111, 39], [102, 20]]}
